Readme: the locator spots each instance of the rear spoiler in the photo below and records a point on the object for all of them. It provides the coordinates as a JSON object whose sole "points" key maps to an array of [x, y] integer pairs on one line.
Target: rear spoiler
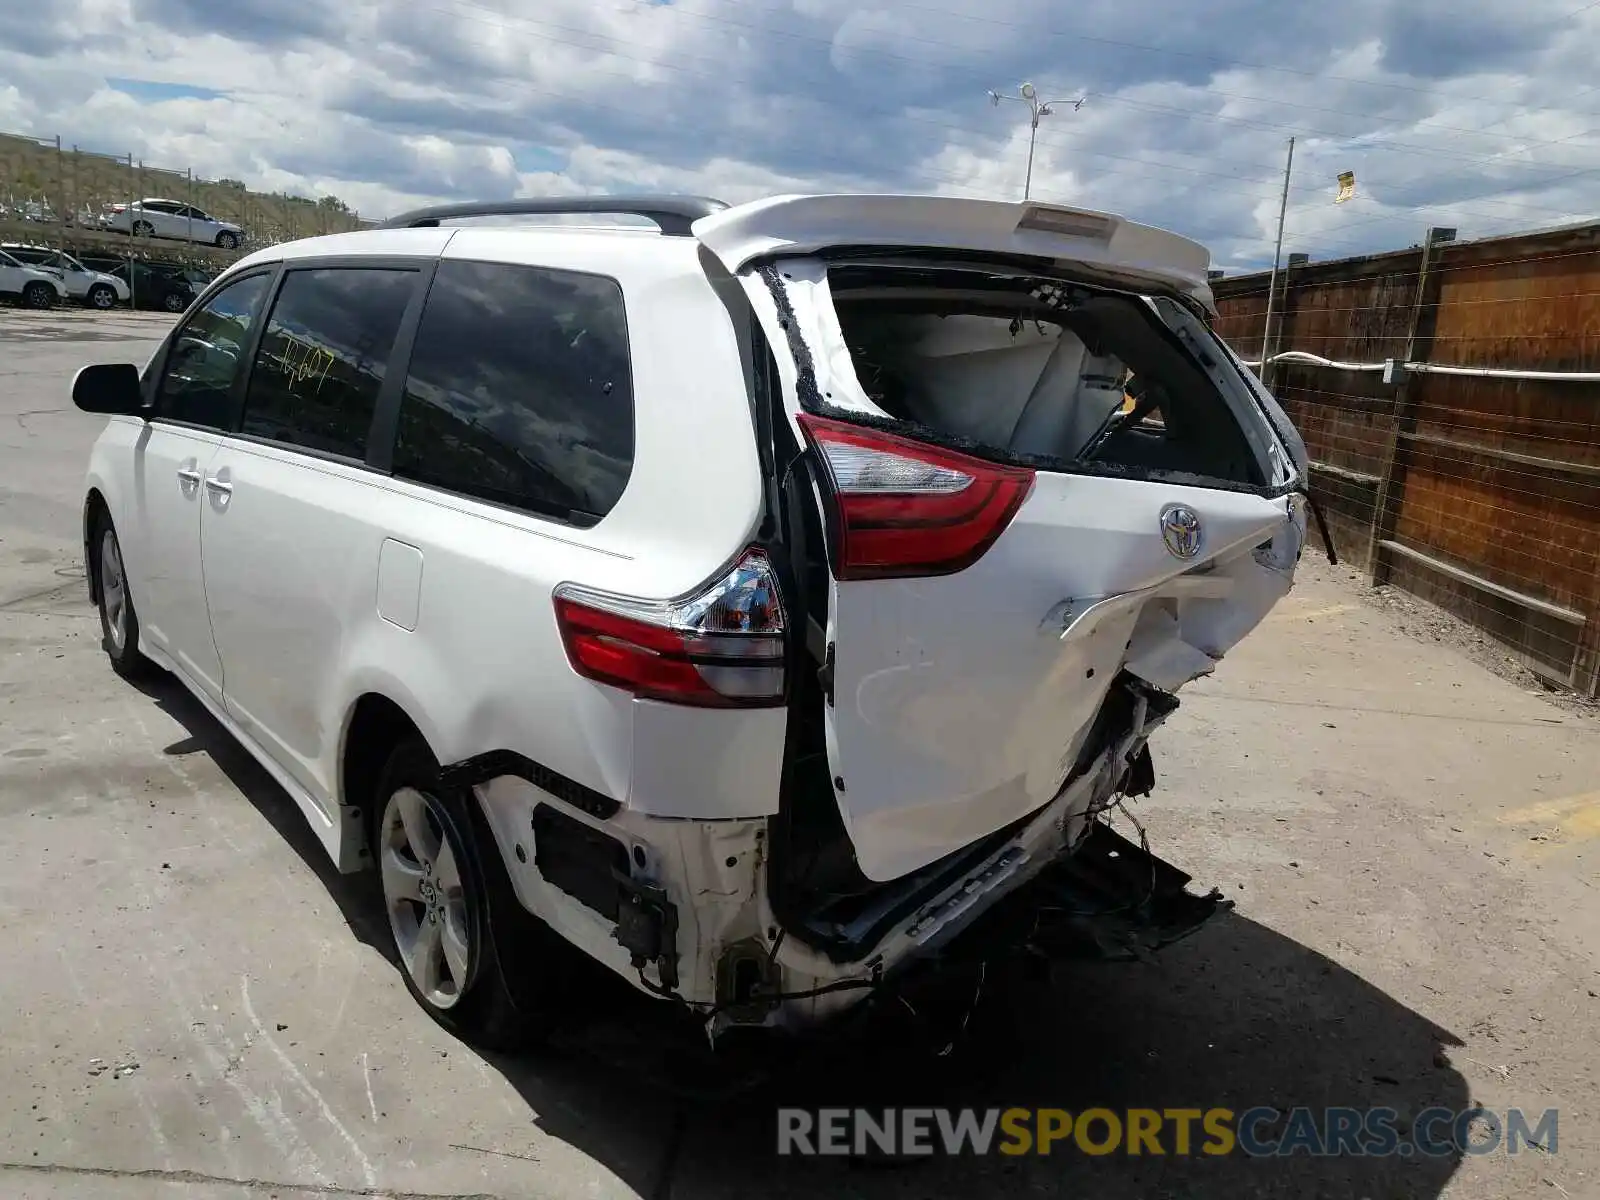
{"points": [[789, 226]]}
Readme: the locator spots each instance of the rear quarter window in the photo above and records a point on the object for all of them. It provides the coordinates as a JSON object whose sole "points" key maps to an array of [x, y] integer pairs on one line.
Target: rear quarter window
{"points": [[520, 390]]}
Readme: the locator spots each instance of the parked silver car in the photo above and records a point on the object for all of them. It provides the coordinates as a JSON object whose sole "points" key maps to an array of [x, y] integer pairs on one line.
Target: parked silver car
{"points": [[95, 289], [157, 218], [33, 287]]}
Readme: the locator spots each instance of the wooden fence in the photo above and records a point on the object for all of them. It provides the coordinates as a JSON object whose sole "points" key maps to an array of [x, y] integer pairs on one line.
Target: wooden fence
{"points": [[1480, 494]]}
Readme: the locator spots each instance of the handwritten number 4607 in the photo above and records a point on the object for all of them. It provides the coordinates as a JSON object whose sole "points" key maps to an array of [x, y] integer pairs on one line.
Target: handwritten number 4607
{"points": [[303, 364]]}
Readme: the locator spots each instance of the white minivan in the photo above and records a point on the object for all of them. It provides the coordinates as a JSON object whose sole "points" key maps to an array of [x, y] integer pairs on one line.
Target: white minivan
{"points": [[751, 597]]}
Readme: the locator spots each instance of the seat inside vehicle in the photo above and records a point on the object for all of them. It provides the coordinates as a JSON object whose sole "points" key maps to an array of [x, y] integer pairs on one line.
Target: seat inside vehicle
{"points": [[1031, 369]]}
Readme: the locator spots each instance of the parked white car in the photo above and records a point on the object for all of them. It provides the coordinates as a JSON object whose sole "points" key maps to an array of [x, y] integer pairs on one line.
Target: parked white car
{"points": [[157, 218], [751, 604], [95, 289], [33, 287]]}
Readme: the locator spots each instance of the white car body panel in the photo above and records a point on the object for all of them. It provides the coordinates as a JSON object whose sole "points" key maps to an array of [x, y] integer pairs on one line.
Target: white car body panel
{"points": [[283, 587], [159, 515], [291, 555], [960, 707]]}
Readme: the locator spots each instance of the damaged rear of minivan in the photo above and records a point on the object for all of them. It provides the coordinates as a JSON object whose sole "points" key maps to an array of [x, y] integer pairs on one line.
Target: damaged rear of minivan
{"points": [[1022, 494]]}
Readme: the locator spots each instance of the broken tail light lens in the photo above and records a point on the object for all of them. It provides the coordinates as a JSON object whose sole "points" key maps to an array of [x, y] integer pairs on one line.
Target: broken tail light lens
{"points": [[903, 508], [720, 648]]}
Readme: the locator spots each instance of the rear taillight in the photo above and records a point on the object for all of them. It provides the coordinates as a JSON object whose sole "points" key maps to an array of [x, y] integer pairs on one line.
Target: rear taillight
{"points": [[721, 648], [904, 508]]}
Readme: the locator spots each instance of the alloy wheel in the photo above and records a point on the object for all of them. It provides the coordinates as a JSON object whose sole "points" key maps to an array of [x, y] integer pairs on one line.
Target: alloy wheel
{"points": [[113, 591], [425, 896]]}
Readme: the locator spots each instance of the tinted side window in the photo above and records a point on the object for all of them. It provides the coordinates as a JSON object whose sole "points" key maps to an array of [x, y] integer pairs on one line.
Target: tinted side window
{"points": [[206, 355], [323, 357], [520, 390]]}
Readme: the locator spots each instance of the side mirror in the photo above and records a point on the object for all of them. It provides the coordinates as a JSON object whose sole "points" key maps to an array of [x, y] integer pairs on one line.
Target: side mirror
{"points": [[108, 388]]}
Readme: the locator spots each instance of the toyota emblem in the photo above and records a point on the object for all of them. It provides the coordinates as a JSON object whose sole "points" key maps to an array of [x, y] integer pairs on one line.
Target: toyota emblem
{"points": [[1180, 530]]}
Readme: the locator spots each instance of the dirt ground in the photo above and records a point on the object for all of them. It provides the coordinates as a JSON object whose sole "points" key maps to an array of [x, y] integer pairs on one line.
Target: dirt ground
{"points": [[197, 1007]]}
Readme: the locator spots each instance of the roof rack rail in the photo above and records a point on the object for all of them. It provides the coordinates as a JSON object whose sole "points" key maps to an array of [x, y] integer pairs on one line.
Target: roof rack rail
{"points": [[673, 214]]}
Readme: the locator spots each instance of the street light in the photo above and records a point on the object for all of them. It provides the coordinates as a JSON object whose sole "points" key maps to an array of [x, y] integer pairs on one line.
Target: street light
{"points": [[1029, 95]]}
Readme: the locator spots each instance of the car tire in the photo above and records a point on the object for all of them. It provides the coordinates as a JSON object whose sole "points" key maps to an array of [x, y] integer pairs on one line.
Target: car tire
{"points": [[143, 229], [174, 302], [119, 620], [39, 295], [228, 241], [102, 297], [455, 922]]}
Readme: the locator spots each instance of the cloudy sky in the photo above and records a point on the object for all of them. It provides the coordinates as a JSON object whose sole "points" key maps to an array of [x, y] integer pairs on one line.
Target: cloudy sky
{"points": [[1485, 117]]}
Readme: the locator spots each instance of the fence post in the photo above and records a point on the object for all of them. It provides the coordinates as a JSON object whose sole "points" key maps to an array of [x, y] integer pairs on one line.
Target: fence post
{"points": [[1419, 341], [61, 197], [1586, 654], [133, 288]]}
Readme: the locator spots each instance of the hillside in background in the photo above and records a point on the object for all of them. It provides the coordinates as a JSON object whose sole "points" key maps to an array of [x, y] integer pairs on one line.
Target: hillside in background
{"points": [[55, 195]]}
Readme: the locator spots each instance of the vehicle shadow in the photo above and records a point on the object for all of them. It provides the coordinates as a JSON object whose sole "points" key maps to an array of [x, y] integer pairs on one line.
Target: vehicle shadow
{"points": [[355, 896], [1236, 1016]]}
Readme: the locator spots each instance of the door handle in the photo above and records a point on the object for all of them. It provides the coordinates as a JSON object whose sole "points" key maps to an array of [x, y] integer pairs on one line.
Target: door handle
{"points": [[220, 486], [192, 478]]}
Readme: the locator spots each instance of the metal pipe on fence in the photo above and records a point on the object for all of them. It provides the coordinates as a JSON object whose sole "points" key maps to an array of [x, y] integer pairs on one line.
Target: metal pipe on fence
{"points": [[1303, 358]]}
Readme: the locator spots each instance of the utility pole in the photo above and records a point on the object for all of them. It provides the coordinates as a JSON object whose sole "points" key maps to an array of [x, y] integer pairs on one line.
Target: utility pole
{"points": [[1037, 108], [1277, 253]]}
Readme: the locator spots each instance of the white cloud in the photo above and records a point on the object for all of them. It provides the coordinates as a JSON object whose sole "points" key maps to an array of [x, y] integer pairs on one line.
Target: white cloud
{"points": [[1479, 119]]}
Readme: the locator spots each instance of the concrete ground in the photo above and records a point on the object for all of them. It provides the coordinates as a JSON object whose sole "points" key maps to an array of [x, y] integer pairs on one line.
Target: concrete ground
{"points": [[196, 1007]]}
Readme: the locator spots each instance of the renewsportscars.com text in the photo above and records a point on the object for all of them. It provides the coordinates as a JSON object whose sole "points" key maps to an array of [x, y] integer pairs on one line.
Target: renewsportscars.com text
{"points": [[1255, 1132]]}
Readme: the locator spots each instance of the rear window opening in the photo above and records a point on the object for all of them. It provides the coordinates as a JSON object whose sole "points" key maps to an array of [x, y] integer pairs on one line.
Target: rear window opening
{"points": [[1036, 370]]}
